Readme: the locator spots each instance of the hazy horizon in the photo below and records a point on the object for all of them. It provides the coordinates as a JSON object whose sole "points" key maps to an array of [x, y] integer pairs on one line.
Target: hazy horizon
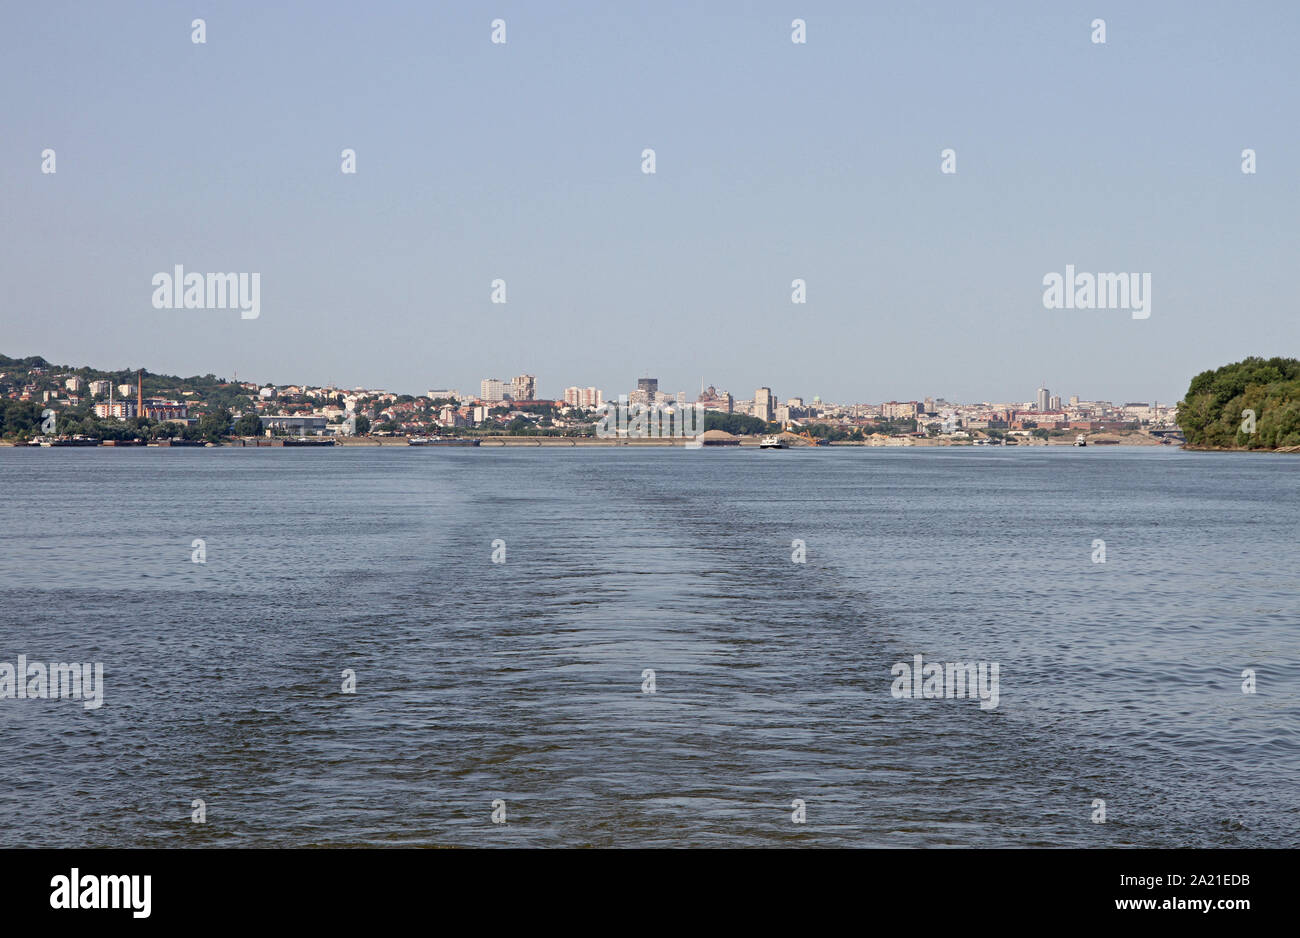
{"points": [[774, 161]]}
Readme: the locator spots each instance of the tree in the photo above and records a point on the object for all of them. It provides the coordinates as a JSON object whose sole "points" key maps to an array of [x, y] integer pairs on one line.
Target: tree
{"points": [[215, 425], [248, 425], [735, 424], [363, 425], [1213, 412]]}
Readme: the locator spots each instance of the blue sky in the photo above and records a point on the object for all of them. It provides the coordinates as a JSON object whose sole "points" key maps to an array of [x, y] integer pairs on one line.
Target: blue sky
{"points": [[775, 161]]}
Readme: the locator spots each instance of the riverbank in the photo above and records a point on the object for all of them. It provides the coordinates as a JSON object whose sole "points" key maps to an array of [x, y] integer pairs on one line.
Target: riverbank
{"points": [[1200, 448], [713, 438]]}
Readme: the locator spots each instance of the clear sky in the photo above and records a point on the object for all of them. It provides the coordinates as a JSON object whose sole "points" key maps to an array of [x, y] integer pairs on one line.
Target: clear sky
{"points": [[775, 161]]}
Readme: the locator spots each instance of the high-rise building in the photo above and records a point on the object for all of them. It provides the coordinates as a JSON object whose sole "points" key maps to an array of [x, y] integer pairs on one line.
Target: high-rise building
{"points": [[929, 405], [583, 397], [523, 388], [1074, 400], [99, 388], [1054, 403], [1044, 399], [763, 405], [492, 389], [647, 389], [122, 410]]}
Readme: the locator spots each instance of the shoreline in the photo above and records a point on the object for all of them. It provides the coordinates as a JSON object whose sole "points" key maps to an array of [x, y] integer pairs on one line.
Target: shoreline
{"points": [[1201, 448], [747, 442]]}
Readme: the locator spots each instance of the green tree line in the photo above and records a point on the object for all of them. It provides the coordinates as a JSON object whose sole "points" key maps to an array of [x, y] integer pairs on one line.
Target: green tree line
{"points": [[1214, 410]]}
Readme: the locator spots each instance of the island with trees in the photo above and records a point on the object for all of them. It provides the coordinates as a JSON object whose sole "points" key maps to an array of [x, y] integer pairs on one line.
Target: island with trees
{"points": [[1252, 404]]}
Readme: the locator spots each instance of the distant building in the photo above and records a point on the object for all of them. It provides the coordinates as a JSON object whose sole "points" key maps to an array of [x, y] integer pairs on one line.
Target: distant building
{"points": [[126, 390], [523, 388], [166, 410], [713, 399], [492, 389], [899, 410], [1042, 420], [1044, 399], [298, 423], [99, 388], [443, 394], [1054, 403], [73, 384], [122, 410], [763, 405]]}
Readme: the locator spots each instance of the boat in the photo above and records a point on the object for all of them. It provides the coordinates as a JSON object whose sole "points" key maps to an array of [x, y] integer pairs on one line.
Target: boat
{"points": [[77, 440], [440, 441], [1080, 441], [307, 441], [771, 442]]}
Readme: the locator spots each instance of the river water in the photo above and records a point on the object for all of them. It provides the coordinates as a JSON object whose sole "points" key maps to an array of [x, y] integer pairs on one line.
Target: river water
{"points": [[524, 682]]}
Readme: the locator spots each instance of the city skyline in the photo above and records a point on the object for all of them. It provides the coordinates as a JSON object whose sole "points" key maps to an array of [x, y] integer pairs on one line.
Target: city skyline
{"points": [[524, 388]]}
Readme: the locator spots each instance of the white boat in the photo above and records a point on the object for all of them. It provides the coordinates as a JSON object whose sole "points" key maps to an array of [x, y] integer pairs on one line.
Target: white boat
{"points": [[771, 442], [1080, 441]]}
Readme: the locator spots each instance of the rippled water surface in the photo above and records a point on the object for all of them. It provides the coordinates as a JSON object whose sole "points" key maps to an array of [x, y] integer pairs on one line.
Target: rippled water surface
{"points": [[522, 681]]}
